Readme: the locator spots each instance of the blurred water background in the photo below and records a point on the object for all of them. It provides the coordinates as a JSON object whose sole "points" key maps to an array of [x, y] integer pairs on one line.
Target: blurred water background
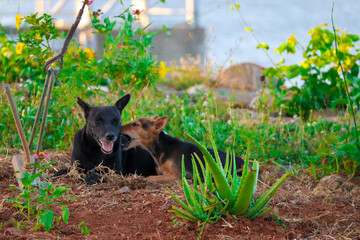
{"points": [[226, 40]]}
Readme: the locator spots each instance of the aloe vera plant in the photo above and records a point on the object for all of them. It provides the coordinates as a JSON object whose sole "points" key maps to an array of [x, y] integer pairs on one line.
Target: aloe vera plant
{"points": [[221, 191], [201, 204]]}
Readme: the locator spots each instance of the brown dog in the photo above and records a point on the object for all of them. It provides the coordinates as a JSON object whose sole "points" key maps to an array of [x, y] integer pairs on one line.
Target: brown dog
{"points": [[166, 150]]}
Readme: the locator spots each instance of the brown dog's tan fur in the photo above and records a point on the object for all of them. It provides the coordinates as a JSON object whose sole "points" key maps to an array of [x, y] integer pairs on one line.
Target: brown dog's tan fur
{"points": [[144, 132], [167, 151]]}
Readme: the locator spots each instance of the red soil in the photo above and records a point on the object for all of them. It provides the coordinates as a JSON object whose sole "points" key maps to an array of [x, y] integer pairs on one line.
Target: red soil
{"points": [[133, 208]]}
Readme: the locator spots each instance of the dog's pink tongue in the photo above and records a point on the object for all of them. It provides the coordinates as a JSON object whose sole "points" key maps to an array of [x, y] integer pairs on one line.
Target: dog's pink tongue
{"points": [[107, 146]]}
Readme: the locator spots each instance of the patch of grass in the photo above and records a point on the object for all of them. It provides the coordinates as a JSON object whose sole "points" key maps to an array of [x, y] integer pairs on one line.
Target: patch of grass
{"points": [[324, 145], [189, 71]]}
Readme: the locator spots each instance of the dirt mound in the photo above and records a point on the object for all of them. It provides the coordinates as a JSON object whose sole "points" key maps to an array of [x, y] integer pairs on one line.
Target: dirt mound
{"points": [[132, 208]]}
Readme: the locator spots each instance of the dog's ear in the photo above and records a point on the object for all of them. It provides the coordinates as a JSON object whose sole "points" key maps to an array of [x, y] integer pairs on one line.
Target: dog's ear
{"points": [[155, 117], [160, 123], [122, 102], [85, 106]]}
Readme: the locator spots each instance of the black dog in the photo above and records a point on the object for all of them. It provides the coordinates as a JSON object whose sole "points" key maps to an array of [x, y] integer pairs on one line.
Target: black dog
{"points": [[99, 141]]}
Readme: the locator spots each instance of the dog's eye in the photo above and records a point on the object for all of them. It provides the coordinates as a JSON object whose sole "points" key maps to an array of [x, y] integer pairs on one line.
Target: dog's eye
{"points": [[135, 124], [114, 121]]}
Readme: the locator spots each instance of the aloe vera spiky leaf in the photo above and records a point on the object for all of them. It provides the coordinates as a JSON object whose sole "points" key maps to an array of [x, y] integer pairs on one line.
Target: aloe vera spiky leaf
{"points": [[218, 173], [193, 198], [227, 163], [202, 187], [207, 208], [261, 201], [183, 205], [235, 179], [245, 171], [183, 180], [195, 174], [229, 174], [245, 194], [203, 200], [262, 213], [255, 167], [224, 208], [232, 169], [183, 214], [259, 210], [209, 179], [216, 153]]}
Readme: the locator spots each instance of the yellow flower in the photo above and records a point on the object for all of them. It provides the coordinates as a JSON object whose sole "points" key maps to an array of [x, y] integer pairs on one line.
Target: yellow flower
{"points": [[292, 39], [37, 36], [305, 65], [19, 47], [18, 20], [163, 70], [263, 46], [344, 47], [347, 61], [231, 8], [322, 25], [89, 53], [237, 6], [248, 29]]}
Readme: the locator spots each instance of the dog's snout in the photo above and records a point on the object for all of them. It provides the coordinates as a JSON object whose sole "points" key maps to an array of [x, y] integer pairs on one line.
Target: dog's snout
{"points": [[110, 136]]}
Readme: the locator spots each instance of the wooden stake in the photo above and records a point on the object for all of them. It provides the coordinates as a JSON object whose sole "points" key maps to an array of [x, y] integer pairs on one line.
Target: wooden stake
{"points": [[20, 162]]}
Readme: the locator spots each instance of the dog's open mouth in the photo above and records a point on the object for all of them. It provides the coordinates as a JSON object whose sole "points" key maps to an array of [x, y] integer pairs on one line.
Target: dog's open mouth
{"points": [[125, 141], [107, 147]]}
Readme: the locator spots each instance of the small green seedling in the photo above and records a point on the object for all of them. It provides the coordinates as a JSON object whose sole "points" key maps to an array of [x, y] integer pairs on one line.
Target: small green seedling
{"points": [[35, 203], [84, 228]]}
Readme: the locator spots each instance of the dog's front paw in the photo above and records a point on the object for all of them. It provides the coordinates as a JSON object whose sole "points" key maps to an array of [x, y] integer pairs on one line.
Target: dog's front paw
{"points": [[93, 178], [60, 172]]}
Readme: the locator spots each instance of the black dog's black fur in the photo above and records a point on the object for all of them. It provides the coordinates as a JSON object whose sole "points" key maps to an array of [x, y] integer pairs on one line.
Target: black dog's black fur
{"points": [[99, 142]]}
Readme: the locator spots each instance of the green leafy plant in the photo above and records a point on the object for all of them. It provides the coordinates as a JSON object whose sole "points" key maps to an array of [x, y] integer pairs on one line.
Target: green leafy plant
{"points": [[124, 64], [330, 79], [84, 228], [22, 59], [36, 202], [222, 191], [120, 66], [322, 86]]}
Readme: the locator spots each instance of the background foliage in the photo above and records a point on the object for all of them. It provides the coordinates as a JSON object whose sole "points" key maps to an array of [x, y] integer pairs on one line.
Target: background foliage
{"points": [[126, 65], [320, 72]]}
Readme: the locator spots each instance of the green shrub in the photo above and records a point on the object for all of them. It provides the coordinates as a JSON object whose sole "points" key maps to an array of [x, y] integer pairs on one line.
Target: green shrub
{"points": [[320, 72]]}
